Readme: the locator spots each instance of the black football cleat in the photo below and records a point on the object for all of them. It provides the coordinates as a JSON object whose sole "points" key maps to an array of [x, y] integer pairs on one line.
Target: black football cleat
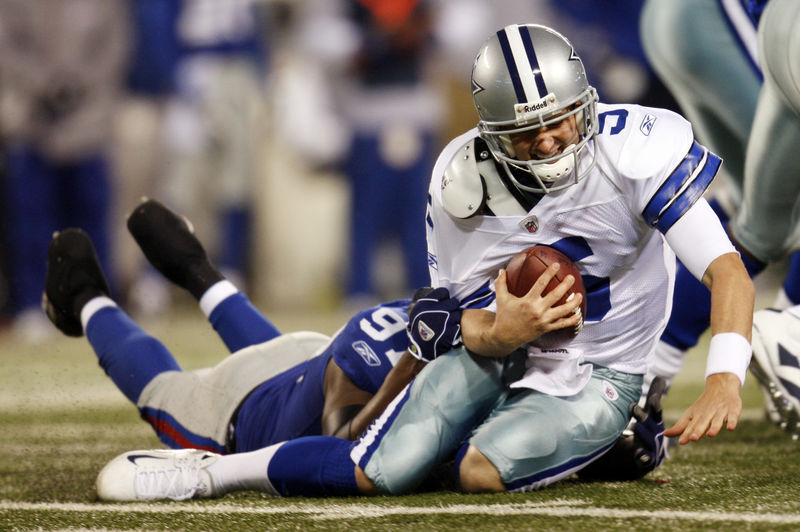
{"points": [[74, 276], [169, 243]]}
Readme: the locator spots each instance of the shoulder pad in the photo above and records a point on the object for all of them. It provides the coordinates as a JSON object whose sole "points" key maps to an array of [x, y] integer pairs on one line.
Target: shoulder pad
{"points": [[463, 190]]}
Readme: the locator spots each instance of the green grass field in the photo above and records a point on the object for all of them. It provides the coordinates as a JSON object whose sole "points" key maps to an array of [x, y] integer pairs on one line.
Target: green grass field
{"points": [[61, 420]]}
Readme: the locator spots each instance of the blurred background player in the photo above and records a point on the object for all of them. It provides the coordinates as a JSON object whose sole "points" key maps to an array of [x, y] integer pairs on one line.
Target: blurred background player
{"points": [[274, 386], [732, 66], [212, 124], [391, 112], [63, 66]]}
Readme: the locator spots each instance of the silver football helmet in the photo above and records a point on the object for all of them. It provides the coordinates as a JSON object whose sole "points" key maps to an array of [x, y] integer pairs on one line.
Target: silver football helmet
{"points": [[525, 77]]}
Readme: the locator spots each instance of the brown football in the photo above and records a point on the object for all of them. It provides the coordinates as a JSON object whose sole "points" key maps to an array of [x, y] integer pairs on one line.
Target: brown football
{"points": [[525, 268]]}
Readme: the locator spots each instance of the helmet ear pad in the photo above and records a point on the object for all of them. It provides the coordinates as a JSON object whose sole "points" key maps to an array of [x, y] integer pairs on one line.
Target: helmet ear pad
{"points": [[580, 121]]}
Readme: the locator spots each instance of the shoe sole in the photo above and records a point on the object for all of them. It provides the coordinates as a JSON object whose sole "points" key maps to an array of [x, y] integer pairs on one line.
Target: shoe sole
{"points": [[783, 403]]}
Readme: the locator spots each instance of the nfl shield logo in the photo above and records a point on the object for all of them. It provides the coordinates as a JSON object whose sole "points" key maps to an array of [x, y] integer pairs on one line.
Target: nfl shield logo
{"points": [[530, 224], [425, 332], [609, 391]]}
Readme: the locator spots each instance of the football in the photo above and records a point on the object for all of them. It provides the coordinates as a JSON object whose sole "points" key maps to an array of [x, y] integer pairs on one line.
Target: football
{"points": [[525, 268]]}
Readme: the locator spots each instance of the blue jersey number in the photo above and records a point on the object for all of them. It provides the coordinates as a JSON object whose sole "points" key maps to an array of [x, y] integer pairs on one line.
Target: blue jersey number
{"points": [[598, 292], [621, 116]]}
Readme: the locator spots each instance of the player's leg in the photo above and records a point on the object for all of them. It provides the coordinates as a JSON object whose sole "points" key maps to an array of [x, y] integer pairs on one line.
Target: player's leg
{"points": [[411, 224], [426, 423], [30, 190], [769, 215], [76, 299], [167, 240], [789, 294], [190, 473], [364, 169], [534, 439], [232, 105], [86, 203], [692, 47], [267, 393], [421, 428], [699, 57]]}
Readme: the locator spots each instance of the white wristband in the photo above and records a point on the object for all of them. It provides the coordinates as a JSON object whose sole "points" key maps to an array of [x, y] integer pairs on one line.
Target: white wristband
{"points": [[728, 353]]}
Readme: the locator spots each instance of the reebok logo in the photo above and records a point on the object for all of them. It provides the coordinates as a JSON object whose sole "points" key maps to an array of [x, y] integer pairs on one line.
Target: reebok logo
{"points": [[366, 353]]}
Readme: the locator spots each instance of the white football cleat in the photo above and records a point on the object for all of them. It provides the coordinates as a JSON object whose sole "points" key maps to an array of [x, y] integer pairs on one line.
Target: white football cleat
{"points": [[776, 365], [157, 474]]}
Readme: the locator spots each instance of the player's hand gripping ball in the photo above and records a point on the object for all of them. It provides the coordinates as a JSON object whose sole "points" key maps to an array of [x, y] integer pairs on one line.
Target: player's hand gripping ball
{"points": [[525, 268]]}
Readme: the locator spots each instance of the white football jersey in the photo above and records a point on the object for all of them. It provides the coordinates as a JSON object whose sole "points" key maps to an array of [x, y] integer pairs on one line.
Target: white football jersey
{"points": [[649, 171]]}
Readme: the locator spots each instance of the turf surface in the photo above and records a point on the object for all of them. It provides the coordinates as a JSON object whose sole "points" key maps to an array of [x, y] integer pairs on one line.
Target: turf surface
{"points": [[62, 420]]}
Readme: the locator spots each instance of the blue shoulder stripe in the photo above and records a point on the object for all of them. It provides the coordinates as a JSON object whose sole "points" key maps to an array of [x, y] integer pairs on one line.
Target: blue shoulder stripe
{"points": [[665, 194], [690, 195], [682, 188]]}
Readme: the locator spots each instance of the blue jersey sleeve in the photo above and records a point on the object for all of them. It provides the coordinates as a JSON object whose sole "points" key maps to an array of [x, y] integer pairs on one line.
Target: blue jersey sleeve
{"points": [[371, 343]]}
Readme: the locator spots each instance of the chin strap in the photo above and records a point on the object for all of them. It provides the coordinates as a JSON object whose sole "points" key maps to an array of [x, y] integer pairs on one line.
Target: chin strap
{"points": [[552, 172]]}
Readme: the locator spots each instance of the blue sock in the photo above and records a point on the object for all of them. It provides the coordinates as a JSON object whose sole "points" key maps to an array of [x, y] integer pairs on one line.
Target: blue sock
{"points": [[691, 302], [240, 324], [791, 285], [314, 466], [457, 462], [128, 355]]}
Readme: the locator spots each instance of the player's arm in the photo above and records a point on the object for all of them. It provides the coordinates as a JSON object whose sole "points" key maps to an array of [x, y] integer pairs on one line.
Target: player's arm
{"points": [[698, 238], [519, 320], [349, 410]]}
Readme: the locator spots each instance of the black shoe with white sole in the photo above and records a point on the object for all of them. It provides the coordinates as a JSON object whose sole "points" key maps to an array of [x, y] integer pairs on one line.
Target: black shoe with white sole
{"points": [[169, 243], [74, 276]]}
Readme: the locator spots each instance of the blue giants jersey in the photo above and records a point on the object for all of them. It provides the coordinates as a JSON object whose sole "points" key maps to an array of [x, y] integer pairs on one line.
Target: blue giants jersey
{"points": [[290, 404], [371, 343]]}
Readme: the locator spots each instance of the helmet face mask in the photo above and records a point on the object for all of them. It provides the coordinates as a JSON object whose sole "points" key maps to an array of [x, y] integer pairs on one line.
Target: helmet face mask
{"points": [[524, 78]]}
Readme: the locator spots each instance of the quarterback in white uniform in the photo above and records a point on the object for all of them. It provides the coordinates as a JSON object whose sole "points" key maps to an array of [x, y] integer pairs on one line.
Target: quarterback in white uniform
{"points": [[546, 165], [603, 184], [604, 224]]}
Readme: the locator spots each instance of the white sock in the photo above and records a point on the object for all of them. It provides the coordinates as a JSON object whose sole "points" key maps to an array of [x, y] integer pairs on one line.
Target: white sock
{"points": [[92, 306], [216, 294], [243, 471]]}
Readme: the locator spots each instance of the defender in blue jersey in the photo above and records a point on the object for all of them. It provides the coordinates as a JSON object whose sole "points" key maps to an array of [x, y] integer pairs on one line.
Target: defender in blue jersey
{"points": [[272, 388]]}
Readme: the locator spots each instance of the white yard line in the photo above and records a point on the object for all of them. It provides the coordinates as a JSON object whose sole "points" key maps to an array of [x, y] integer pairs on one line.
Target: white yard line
{"points": [[330, 511]]}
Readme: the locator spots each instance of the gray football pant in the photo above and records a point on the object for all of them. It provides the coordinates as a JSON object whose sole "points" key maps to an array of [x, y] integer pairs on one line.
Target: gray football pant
{"points": [[533, 439]]}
